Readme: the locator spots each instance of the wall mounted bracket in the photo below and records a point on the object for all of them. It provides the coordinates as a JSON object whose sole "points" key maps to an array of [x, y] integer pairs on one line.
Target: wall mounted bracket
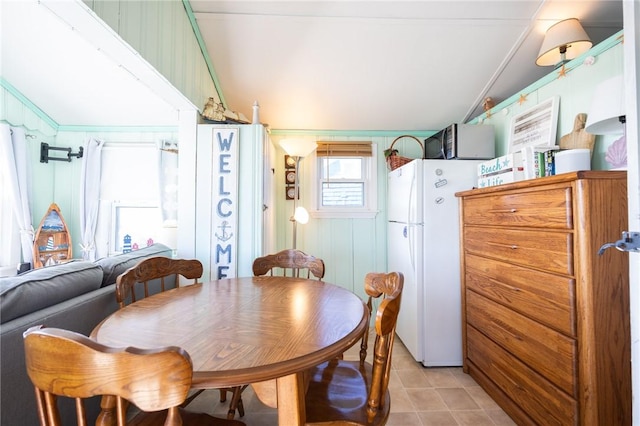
{"points": [[45, 148]]}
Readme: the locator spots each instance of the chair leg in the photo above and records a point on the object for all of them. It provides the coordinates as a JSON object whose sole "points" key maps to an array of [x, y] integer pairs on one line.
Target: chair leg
{"points": [[191, 398], [236, 402], [223, 395]]}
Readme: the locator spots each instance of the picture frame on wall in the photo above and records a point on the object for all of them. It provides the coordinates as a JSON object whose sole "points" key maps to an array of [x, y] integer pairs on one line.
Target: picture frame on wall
{"points": [[290, 192], [289, 162], [535, 127], [290, 177]]}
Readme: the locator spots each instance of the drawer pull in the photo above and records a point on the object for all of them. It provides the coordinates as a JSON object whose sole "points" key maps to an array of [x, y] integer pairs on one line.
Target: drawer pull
{"points": [[504, 246], [503, 211]]}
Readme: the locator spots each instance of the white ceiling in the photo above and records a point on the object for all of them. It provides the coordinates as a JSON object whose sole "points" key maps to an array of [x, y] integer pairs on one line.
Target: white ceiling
{"points": [[341, 65], [382, 65], [72, 72]]}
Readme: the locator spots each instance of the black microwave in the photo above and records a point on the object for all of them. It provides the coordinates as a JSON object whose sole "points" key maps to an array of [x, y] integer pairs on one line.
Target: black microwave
{"points": [[462, 142]]}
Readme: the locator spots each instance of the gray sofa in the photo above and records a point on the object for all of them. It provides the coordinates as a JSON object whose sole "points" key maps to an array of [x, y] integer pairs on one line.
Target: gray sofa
{"points": [[76, 296]]}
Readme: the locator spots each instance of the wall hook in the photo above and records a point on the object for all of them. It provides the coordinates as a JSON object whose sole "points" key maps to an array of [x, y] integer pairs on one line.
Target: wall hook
{"points": [[45, 148]]}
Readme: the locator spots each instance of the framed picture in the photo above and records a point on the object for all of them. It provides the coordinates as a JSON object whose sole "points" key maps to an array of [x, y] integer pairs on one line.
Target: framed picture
{"points": [[290, 192], [290, 177], [536, 126], [289, 162]]}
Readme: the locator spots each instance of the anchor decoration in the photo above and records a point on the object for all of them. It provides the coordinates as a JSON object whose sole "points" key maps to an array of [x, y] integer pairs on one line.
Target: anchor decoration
{"points": [[225, 236]]}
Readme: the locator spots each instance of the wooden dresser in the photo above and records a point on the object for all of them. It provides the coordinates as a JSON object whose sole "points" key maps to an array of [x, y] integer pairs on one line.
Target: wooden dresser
{"points": [[546, 328]]}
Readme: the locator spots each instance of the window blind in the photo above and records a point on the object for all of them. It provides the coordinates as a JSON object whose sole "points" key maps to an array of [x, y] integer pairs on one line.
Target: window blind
{"points": [[343, 149]]}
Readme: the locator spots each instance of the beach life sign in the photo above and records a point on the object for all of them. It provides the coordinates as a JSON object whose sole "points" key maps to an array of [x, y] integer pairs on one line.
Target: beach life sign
{"points": [[500, 164], [224, 202], [505, 169]]}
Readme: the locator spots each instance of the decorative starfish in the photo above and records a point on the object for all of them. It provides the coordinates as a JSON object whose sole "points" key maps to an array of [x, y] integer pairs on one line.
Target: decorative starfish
{"points": [[523, 98], [562, 72]]}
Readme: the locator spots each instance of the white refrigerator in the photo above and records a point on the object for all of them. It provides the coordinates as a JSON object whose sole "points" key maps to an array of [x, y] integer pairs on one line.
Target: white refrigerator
{"points": [[423, 244]]}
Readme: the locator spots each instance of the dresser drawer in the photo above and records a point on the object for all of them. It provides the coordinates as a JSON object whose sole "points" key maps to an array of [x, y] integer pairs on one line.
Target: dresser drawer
{"points": [[543, 402], [549, 251], [546, 298], [550, 208], [544, 350]]}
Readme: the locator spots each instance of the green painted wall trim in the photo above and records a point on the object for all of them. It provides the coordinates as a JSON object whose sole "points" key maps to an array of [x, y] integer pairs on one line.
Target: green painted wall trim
{"points": [[118, 129], [203, 49], [352, 133], [574, 63], [33, 107]]}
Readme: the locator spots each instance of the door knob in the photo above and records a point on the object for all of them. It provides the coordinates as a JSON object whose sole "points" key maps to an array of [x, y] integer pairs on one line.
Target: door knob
{"points": [[630, 241]]}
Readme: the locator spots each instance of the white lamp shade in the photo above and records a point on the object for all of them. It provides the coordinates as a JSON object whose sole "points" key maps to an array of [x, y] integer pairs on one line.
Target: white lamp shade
{"points": [[301, 215], [567, 33], [298, 147], [607, 107]]}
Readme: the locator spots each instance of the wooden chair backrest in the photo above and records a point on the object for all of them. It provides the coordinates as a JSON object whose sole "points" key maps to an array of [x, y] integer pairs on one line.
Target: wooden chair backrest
{"points": [[390, 285], [64, 363], [154, 268], [377, 284], [291, 262]]}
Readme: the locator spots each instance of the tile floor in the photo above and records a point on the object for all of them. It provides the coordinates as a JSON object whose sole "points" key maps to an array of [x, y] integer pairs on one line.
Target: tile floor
{"points": [[419, 396]]}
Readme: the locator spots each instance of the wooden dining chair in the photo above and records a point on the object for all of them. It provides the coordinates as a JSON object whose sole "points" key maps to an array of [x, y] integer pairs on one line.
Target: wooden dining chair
{"points": [[356, 392], [62, 363], [290, 262], [168, 272], [136, 282]]}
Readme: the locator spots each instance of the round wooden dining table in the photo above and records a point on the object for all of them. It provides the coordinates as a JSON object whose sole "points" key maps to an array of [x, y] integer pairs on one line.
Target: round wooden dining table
{"points": [[245, 330]]}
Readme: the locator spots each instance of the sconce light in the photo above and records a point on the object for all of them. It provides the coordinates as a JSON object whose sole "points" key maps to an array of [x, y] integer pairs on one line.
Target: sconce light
{"points": [[607, 116], [565, 40], [298, 149]]}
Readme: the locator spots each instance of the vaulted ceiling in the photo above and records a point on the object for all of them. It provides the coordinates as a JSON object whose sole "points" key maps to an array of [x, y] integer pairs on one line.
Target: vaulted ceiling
{"points": [[382, 65], [326, 65]]}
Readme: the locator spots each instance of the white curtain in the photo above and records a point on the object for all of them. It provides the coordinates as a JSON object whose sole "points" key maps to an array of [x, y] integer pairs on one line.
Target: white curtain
{"points": [[168, 179], [90, 196], [13, 159]]}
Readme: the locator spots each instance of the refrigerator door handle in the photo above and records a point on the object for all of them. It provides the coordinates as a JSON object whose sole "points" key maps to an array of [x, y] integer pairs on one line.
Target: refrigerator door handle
{"points": [[409, 234], [412, 199]]}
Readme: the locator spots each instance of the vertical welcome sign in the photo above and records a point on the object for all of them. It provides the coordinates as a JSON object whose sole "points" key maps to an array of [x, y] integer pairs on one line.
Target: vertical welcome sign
{"points": [[224, 203]]}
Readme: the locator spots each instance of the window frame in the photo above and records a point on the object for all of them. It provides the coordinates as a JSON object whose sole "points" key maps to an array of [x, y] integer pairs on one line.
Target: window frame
{"points": [[370, 179]]}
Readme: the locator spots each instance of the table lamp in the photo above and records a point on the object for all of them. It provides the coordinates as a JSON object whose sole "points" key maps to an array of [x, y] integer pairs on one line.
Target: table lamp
{"points": [[607, 116], [563, 41]]}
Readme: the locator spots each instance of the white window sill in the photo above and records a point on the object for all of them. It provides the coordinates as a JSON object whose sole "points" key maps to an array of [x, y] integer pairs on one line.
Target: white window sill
{"points": [[343, 214]]}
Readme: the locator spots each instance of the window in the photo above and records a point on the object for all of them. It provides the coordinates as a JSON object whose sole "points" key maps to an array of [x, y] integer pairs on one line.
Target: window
{"points": [[129, 214], [134, 225], [346, 180], [342, 182]]}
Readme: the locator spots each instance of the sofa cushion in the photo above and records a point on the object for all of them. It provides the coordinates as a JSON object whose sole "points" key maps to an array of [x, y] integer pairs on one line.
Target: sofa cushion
{"points": [[40, 288], [114, 266]]}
